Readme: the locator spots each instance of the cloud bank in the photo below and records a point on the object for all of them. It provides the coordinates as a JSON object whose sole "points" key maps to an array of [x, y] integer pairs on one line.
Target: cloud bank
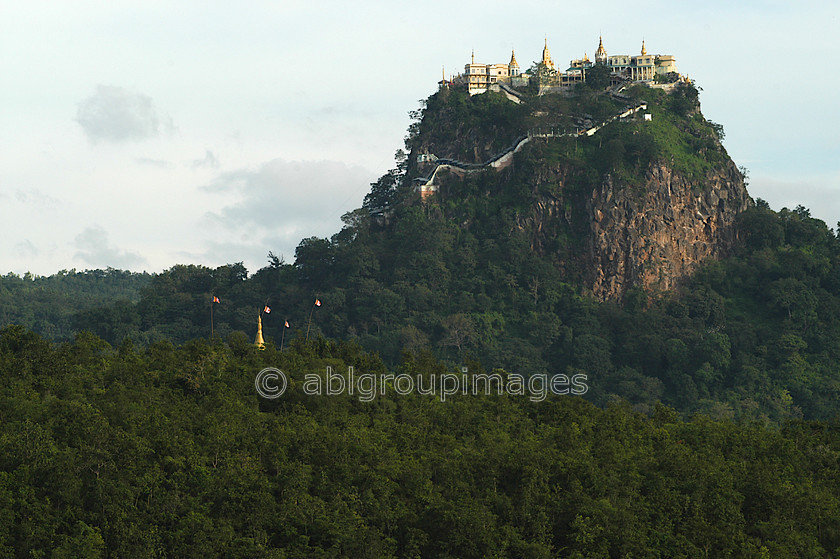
{"points": [[281, 202], [94, 249], [283, 195]]}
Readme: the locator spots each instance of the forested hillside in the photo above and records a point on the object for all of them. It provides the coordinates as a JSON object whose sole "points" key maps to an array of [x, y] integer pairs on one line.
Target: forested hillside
{"points": [[754, 335], [169, 452], [494, 268], [51, 305]]}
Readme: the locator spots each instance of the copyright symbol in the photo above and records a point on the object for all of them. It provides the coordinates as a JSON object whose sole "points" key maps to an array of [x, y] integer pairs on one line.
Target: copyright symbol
{"points": [[271, 383]]}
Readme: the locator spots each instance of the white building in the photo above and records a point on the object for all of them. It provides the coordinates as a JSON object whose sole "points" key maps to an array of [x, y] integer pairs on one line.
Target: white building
{"points": [[643, 67], [479, 77]]}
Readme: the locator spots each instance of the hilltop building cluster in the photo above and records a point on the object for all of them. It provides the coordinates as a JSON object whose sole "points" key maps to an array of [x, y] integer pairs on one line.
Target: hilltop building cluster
{"points": [[643, 67]]}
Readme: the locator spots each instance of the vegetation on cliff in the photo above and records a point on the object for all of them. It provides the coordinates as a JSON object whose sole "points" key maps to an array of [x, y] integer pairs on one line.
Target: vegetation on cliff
{"points": [[453, 125]]}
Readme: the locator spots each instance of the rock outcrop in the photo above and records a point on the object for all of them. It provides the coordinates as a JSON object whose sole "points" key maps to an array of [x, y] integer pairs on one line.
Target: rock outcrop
{"points": [[650, 237]]}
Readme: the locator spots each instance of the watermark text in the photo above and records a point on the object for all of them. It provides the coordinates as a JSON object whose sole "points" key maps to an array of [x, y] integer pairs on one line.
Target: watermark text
{"points": [[272, 383]]}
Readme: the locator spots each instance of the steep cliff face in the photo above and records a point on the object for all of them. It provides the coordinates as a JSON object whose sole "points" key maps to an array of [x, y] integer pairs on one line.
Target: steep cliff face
{"points": [[648, 235], [653, 236]]}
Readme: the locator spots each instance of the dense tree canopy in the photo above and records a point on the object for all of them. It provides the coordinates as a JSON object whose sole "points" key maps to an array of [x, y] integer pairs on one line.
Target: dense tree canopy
{"points": [[169, 451]]}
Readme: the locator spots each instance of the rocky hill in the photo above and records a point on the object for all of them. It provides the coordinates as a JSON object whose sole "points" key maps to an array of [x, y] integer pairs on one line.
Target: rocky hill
{"points": [[615, 202]]}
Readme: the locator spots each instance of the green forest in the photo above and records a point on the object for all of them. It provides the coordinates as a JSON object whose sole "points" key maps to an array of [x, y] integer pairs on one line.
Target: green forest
{"points": [[169, 452], [709, 428]]}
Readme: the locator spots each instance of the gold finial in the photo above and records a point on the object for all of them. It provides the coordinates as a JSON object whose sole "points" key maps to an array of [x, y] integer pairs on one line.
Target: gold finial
{"points": [[601, 52], [259, 341], [546, 59], [644, 50], [513, 58]]}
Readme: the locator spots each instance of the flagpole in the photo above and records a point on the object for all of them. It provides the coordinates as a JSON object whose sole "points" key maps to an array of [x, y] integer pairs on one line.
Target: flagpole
{"points": [[283, 336], [317, 303], [309, 322], [212, 300]]}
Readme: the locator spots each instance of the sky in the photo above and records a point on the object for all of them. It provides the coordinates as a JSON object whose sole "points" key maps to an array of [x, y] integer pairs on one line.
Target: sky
{"points": [[140, 135]]}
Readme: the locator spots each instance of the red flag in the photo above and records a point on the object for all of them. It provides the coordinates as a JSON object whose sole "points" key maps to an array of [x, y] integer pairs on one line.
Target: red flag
{"points": [[216, 299], [317, 302], [287, 324], [266, 310]]}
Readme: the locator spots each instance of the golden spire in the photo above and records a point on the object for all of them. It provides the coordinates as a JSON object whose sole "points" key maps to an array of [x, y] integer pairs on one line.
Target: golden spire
{"points": [[601, 53], [513, 58], [546, 59], [644, 50], [259, 342]]}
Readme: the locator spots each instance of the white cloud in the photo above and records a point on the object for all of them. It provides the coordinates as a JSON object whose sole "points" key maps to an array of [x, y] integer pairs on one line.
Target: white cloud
{"points": [[35, 197], [94, 249], [25, 249], [282, 202], [159, 163], [114, 114], [210, 160], [286, 195]]}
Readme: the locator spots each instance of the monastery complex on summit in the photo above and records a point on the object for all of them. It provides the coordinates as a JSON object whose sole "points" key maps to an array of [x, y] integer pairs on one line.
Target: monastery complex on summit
{"points": [[643, 67]]}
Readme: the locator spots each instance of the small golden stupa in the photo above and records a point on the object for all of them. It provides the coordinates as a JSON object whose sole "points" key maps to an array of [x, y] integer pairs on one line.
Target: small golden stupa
{"points": [[259, 341]]}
